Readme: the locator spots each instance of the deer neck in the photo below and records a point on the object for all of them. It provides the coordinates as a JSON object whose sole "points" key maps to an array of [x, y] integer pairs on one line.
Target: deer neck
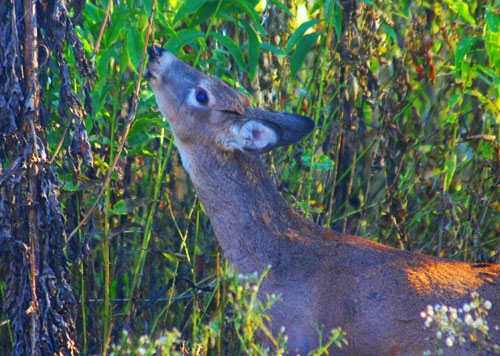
{"points": [[248, 214]]}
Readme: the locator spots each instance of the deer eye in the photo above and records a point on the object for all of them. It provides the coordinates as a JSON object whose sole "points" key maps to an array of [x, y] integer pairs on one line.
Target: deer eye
{"points": [[201, 96]]}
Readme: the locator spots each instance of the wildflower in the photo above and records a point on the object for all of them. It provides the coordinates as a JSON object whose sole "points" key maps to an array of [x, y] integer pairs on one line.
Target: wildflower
{"points": [[449, 341], [430, 311], [468, 319], [467, 308], [453, 313], [439, 334], [487, 304], [477, 323]]}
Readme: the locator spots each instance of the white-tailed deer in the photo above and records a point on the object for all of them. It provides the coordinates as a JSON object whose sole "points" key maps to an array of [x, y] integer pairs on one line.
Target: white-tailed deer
{"points": [[373, 292]]}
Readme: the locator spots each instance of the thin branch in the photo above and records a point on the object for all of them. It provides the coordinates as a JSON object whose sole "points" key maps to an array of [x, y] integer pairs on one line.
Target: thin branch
{"points": [[128, 123]]}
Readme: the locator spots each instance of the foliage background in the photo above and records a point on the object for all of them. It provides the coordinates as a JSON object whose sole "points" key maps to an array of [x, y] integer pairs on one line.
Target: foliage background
{"points": [[406, 100]]}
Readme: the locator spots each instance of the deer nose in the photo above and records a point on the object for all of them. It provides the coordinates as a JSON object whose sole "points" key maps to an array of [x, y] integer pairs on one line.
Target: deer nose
{"points": [[155, 52]]}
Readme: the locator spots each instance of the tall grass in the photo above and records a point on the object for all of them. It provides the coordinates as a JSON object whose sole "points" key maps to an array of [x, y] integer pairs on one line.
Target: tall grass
{"points": [[405, 97]]}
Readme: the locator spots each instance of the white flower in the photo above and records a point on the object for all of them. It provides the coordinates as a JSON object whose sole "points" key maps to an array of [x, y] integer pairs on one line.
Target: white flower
{"points": [[468, 319], [439, 334], [476, 324], [423, 315], [449, 341], [487, 304], [430, 311], [466, 308]]}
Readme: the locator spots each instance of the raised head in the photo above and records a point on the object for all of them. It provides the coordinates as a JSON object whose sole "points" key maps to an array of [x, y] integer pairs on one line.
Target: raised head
{"points": [[203, 110]]}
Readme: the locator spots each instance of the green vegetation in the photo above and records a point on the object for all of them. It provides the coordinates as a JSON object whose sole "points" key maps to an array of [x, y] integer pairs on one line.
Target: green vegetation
{"points": [[406, 100]]}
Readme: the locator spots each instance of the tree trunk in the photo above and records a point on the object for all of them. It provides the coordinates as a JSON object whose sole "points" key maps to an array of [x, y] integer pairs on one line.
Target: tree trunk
{"points": [[39, 302]]}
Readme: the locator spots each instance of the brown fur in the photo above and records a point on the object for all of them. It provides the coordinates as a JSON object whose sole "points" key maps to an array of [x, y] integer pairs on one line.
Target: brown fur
{"points": [[373, 292]]}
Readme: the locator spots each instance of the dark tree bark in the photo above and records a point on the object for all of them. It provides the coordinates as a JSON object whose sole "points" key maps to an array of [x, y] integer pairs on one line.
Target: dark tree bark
{"points": [[39, 302]]}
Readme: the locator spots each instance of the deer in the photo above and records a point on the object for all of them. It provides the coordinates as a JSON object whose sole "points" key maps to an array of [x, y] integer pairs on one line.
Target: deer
{"points": [[374, 293]]}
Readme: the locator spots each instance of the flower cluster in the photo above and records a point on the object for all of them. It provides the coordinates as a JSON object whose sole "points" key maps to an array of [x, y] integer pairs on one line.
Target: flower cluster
{"points": [[461, 325]]}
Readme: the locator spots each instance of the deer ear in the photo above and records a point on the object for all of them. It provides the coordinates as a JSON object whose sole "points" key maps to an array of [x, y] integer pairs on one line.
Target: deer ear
{"points": [[254, 136], [261, 135]]}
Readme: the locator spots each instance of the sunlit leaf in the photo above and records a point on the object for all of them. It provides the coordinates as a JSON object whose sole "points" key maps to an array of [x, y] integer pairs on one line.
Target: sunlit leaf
{"points": [[462, 9], [463, 48], [299, 33], [493, 21], [174, 257]]}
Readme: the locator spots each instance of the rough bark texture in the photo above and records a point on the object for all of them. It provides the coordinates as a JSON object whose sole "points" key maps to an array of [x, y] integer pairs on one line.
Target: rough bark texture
{"points": [[39, 301]]}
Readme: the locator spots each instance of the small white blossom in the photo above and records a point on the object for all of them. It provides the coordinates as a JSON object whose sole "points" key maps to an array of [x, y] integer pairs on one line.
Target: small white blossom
{"points": [[430, 311], [487, 304], [476, 324], [449, 341], [468, 319]]}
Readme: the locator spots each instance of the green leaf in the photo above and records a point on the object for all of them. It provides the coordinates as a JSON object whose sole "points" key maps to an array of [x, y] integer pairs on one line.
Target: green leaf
{"points": [[188, 8], [390, 31], [119, 20], [462, 9], [253, 49], [463, 48], [135, 44], [204, 13], [303, 48], [299, 33], [120, 208], [174, 257], [450, 168], [234, 50], [321, 162], [282, 6], [493, 21], [269, 47], [182, 38], [241, 6]]}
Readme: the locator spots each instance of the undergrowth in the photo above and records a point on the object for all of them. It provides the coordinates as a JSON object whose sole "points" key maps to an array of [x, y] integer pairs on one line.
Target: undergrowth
{"points": [[406, 100]]}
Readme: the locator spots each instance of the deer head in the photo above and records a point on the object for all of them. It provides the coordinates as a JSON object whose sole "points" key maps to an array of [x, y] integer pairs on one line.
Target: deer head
{"points": [[204, 108]]}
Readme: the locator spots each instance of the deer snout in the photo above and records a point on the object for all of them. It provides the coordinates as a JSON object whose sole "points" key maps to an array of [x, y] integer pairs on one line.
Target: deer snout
{"points": [[155, 52]]}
